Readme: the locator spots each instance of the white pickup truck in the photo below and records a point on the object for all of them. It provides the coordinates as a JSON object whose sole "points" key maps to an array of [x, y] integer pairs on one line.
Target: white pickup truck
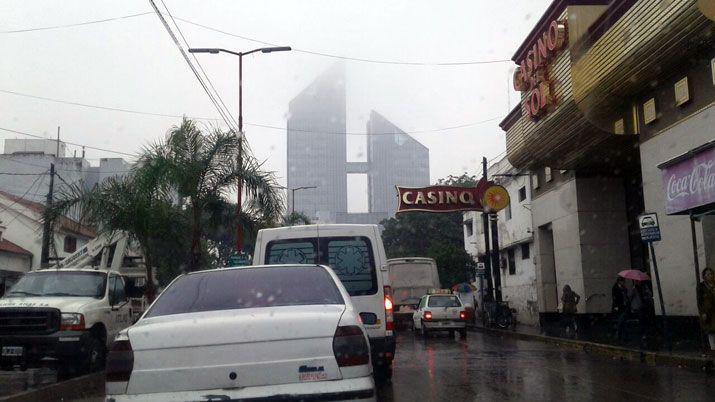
{"points": [[69, 315]]}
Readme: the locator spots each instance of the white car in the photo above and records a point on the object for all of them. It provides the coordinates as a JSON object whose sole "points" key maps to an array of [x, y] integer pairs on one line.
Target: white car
{"points": [[285, 332], [440, 312]]}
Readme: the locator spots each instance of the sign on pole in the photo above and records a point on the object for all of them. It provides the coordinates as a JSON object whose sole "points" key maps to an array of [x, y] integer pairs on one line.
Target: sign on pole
{"points": [[649, 226], [239, 260], [441, 198], [481, 269]]}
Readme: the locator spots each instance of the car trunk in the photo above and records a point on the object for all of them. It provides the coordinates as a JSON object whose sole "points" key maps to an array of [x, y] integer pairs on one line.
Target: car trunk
{"points": [[262, 346], [444, 313]]}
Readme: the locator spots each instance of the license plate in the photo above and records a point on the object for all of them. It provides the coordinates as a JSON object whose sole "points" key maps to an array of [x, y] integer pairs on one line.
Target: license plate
{"points": [[12, 351]]}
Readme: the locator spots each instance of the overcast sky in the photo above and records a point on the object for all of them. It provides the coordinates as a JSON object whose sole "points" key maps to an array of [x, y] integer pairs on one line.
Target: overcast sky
{"points": [[133, 64]]}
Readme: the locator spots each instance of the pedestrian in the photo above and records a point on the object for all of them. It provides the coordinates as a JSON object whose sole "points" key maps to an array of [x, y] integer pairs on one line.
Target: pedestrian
{"points": [[569, 300], [646, 315], [706, 305], [620, 307]]}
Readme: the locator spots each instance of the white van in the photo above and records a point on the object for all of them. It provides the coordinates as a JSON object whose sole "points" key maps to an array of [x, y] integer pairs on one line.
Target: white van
{"points": [[356, 254]]}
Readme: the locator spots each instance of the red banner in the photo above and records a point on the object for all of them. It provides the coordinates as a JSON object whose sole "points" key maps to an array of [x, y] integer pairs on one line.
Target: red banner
{"points": [[441, 198]]}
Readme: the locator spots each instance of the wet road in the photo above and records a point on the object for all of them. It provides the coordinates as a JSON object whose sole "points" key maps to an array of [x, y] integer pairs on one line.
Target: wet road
{"points": [[490, 368]]}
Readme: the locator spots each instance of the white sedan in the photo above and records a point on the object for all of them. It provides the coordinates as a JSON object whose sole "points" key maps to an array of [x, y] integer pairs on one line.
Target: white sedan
{"points": [[285, 332]]}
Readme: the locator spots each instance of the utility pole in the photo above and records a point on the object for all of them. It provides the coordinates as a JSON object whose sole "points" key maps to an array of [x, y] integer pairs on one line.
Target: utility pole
{"points": [[57, 153], [495, 257], [485, 229], [45, 255]]}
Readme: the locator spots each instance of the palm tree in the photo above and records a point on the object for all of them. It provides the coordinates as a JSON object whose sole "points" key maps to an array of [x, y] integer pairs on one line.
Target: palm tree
{"points": [[130, 204], [203, 168]]}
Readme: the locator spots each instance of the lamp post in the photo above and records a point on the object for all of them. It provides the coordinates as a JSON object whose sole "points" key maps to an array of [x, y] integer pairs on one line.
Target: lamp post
{"points": [[292, 196], [239, 233]]}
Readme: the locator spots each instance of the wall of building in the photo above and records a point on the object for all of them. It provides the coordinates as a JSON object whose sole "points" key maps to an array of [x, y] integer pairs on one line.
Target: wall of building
{"points": [[674, 253], [15, 262]]}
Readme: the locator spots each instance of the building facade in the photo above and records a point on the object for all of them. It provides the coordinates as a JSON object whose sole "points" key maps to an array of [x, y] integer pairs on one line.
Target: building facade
{"points": [[317, 156], [611, 92], [516, 241]]}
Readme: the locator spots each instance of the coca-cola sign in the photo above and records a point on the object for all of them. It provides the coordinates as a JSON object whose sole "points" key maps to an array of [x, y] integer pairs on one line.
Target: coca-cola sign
{"points": [[690, 183]]}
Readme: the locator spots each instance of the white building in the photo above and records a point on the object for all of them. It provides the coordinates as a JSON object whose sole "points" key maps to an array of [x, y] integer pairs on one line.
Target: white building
{"points": [[14, 261], [517, 253], [22, 219]]}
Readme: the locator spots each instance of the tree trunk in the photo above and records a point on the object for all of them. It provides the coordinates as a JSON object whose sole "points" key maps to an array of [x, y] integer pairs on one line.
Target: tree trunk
{"points": [[195, 258], [150, 291]]}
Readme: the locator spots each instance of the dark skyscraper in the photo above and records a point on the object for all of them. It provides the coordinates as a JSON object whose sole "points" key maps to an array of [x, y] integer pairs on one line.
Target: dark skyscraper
{"points": [[317, 156]]}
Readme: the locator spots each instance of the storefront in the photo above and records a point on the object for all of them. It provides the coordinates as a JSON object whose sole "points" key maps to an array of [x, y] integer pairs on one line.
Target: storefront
{"points": [[630, 86]]}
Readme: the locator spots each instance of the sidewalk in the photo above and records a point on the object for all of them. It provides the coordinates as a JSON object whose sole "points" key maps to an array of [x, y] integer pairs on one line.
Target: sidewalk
{"points": [[690, 359]]}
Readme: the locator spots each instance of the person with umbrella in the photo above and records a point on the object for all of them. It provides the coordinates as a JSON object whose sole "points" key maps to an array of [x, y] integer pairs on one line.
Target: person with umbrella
{"points": [[640, 300], [620, 307]]}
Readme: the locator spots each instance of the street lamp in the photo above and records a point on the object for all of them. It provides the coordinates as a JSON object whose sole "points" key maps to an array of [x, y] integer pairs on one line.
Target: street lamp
{"points": [[239, 233], [292, 196]]}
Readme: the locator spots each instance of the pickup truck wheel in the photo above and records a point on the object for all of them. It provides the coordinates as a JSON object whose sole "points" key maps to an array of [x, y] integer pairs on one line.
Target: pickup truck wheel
{"points": [[94, 360]]}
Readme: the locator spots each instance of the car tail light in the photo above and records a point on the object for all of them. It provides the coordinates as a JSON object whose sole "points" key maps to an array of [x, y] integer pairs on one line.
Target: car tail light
{"points": [[120, 361], [427, 315], [389, 320], [350, 347], [463, 315]]}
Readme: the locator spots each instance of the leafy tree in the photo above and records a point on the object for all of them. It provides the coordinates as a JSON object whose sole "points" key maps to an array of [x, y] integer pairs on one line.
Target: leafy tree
{"points": [[296, 218]]}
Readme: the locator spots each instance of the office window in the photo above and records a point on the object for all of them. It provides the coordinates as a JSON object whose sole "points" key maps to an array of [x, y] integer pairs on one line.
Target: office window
{"points": [[70, 244], [525, 251], [507, 211], [522, 194], [469, 227], [535, 180], [547, 174], [511, 262]]}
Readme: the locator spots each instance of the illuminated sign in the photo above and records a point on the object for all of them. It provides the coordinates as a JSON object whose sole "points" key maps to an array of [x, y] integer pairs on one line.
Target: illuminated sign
{"points": [[441, 198], [531, 75]]}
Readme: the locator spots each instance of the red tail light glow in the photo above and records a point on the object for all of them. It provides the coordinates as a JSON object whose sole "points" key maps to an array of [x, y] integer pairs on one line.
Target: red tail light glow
{"points": [[350, 347], [463, 315], [389, 321], [120, 361], [427, 315]]}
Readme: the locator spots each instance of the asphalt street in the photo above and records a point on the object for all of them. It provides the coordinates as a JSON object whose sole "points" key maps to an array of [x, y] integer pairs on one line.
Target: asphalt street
{"points": [[490, 368]]}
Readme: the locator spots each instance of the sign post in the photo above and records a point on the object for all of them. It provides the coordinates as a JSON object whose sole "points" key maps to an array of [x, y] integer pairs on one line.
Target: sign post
{"points": [[481, 272], [650, 232]]}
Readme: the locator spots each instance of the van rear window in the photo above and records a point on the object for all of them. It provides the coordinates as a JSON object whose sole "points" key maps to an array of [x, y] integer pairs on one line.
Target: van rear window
{"points": [[350, 257]]}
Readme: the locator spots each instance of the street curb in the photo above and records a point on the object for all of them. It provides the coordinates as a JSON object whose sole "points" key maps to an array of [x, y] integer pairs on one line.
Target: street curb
{"points": [[84, 386], [615, 352]]}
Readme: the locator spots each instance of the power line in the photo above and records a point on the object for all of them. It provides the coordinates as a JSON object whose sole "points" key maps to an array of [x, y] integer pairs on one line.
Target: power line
{"points": [[22, 197], [349, 58], [9, 158], [273, 127], [191, 66], [71, 143], [247, 38], [20, 174], [218, 95], [76, 24]]}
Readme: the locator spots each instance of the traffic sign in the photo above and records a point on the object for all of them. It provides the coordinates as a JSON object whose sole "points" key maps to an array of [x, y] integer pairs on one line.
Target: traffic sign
{"points": [[649, 226], [239, 260], [481, 269]]}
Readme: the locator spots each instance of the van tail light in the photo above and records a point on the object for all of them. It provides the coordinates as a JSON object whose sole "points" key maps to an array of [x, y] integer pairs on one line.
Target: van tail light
{"points": [[427, 315], [463, 315], [120, 361], [350, 347], [389, 319]]}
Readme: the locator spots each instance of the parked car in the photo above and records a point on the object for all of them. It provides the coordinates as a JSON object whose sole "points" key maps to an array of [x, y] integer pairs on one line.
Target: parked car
{"points": [[356, 254], [440, 311], [69, 315], [253, 333]]}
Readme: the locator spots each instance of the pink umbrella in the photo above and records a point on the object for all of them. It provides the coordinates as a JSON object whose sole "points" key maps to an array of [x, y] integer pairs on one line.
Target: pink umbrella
{"points": [[634, 274]]}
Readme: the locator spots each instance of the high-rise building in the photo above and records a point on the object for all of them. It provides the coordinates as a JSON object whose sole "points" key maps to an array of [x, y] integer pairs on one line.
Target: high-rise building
{"points": [[395, 159], [316, 147], [317, 156]]}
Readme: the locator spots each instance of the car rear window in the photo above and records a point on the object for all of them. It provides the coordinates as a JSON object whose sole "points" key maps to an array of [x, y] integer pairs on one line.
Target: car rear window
{"points": [[241, 288], [350, 257], [444, 301]]}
